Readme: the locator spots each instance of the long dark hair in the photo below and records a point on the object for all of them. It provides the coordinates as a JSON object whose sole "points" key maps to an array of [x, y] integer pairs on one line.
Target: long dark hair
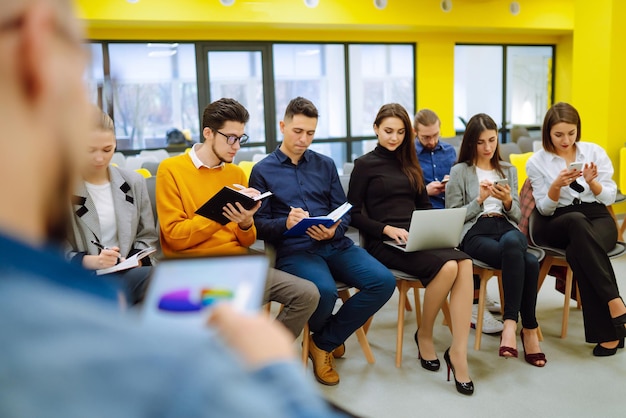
{"points": [[477, 125], [559, 112], [406, 153]]}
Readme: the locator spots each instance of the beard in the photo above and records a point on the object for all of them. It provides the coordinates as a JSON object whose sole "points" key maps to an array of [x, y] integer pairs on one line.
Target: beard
{"points": [[221, 157]]}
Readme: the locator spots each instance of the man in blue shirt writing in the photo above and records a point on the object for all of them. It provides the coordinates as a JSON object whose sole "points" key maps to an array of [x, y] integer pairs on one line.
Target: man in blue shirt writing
{"points": [[306, 184]]}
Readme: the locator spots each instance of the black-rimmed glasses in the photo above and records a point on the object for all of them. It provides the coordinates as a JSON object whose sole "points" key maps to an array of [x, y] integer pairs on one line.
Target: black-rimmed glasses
{"points": [[231, 139]]}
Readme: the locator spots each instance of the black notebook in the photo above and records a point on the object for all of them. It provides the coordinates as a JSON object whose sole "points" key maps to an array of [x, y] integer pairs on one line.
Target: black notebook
{"points": [[213, 208]]}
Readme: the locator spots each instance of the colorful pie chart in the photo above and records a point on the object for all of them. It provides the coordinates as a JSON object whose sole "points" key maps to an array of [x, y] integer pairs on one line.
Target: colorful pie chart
{"points": [[188, 300]]}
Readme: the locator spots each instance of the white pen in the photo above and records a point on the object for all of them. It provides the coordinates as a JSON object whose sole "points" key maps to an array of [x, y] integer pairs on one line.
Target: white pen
{"points": [[239, 186]]}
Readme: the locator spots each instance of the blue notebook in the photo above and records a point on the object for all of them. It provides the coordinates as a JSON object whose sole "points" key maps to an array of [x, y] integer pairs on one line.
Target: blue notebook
{"points": [[328, 220]]}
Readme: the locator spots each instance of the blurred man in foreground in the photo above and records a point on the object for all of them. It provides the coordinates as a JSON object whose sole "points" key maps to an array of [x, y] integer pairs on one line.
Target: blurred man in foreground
{"points": [[64, 352]]}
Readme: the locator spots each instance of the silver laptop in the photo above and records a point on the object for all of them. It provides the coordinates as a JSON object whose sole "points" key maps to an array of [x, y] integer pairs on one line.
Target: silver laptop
{"points": [[433, 229]]}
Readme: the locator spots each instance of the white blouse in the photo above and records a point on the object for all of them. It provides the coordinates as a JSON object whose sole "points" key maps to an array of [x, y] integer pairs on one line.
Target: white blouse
{"points": [[543, 167], [102, 197]]}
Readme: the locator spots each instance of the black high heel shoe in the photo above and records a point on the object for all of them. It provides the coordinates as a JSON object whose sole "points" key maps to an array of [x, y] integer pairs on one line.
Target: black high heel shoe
{"points": [[600, 351], [432, 365], [461, 387]]}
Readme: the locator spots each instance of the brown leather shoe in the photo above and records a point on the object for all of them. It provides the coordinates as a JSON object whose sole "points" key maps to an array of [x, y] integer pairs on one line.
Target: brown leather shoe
{"points": [[323, 364], [339, 351]]}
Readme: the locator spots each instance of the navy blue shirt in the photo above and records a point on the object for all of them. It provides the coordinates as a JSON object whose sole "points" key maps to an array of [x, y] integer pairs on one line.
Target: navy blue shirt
{"points": [[435, 165], [48, 263], [313, 185]]}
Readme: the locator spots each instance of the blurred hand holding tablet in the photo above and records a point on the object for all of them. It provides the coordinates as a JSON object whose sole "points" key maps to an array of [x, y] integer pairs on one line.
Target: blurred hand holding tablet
{"points": [[183, 291]]}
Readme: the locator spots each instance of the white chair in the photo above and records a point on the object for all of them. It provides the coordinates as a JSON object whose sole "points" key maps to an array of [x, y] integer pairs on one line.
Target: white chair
{"points": [[258, 157], [159, 154], [119, 159], [136, 161]]}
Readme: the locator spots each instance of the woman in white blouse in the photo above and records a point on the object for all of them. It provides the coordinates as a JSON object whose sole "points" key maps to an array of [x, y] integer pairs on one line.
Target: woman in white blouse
{"points": [[575, 201]]}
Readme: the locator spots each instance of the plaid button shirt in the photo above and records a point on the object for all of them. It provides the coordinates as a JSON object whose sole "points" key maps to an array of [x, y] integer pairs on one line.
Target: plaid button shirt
{"points": [[527, 204]]}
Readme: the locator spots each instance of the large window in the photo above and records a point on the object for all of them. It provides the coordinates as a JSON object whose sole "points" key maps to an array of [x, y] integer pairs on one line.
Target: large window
{"points": [[512, 84], [316, 72], [379, 74], [150, 88], [154, 89]]}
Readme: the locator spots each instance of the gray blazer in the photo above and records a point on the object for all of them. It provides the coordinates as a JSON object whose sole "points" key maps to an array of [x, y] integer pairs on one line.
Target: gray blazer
{"points": [[133, 213], [462, 191]]}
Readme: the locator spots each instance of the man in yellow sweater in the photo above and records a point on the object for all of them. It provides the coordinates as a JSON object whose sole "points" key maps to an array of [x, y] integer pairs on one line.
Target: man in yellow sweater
{"points": [[186, 182]]}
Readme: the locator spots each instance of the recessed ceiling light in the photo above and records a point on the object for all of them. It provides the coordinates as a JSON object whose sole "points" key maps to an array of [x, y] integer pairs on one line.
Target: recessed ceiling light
{"points": [[132, 1], [446, 5], [514, 8], [227, 2], [380, 4], [311, 3]]}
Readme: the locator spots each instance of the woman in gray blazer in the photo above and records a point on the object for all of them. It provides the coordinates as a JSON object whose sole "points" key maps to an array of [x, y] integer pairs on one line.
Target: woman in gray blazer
{"points": [[111, 213], [487, 187]]}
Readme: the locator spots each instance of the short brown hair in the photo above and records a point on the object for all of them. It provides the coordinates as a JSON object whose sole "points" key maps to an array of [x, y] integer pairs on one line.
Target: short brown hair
{"points": [[301, 106], [219, 112], [426, 117], [559, 112]]}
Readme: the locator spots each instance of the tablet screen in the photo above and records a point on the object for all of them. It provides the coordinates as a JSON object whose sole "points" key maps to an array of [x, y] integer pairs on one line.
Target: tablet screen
{"points": [[182, 291]]}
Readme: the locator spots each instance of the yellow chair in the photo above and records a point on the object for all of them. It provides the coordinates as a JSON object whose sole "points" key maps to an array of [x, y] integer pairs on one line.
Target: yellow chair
{"points": [[519, 162], [144, 172], [246, 166]]}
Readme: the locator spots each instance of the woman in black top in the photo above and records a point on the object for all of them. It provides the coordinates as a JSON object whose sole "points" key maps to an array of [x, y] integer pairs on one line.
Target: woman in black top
{"points": [[386, 186]]}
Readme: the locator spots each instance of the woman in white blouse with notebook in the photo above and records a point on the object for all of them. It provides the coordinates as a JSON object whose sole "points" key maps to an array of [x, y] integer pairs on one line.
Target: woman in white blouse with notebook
{"points": [[572, 185]]}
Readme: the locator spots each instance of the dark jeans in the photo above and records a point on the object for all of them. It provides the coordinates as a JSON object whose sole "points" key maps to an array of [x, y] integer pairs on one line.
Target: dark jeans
{"points": [[587, 232], [135, 282], [352, 266], [498, 243]]}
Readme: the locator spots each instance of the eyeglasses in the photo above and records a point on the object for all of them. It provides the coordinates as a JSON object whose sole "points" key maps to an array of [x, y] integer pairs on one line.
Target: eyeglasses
{"points": [[231, 139], [428, 138]]}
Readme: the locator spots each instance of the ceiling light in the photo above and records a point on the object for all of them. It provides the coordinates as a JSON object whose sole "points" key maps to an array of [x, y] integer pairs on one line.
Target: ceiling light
{"points": [[227, 2], [311, 3], [380, 4], [446, 5]]}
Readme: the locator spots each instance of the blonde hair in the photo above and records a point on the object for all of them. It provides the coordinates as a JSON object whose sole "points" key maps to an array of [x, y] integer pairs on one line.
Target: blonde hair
{"points": [[102, 120]]}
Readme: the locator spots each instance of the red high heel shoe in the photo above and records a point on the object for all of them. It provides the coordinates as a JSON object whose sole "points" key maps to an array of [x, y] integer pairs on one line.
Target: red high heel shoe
{"points": [[504, 349], [533, 358]]}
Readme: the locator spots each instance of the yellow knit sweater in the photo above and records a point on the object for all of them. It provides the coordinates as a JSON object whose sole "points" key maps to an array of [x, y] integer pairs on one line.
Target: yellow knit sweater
{"points": [[181, 189]]}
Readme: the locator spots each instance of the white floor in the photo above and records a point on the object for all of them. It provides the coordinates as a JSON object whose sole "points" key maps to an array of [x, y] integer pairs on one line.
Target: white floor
{"points": [[573, 383]]}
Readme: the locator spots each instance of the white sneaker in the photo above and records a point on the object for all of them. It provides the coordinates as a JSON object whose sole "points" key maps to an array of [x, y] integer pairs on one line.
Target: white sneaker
{"points": [[490, 324], [492, 305]]}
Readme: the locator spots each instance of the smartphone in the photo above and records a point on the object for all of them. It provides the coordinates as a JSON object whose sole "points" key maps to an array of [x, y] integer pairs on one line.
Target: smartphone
{"points": [[501, 182], [444, 181], [576, 166]]}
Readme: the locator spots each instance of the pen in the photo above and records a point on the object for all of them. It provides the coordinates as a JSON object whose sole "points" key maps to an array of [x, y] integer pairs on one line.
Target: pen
{"points": [[239, 186], [102, 247]]}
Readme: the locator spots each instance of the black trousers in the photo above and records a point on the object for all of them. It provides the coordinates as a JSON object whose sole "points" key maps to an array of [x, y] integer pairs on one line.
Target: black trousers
{"points": [[498, 243], [587, 232]]}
